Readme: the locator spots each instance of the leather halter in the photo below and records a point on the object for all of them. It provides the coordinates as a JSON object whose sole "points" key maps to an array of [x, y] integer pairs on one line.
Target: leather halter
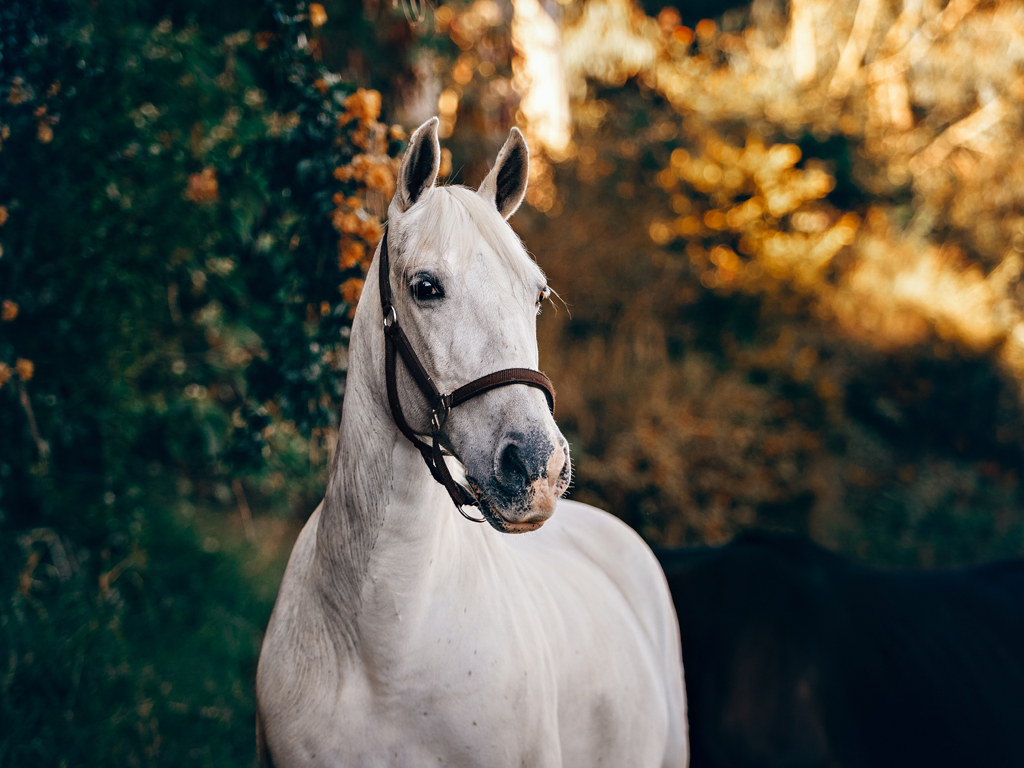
{"points": [[440, 404]]}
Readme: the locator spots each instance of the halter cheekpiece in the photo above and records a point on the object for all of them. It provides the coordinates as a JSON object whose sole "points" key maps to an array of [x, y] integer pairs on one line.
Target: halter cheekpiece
{"points": [[440, 404]]}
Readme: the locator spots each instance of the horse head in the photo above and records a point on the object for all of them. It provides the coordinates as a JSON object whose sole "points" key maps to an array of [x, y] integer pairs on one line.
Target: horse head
{"points": [[468, 296]]}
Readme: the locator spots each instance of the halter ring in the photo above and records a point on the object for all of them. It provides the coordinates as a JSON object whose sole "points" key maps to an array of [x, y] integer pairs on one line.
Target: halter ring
{"points": [[470, 517]]}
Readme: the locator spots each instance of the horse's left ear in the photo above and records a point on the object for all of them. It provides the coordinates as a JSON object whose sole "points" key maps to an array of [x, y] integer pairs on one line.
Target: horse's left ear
{"points": [[420, 165], [505, 185]]}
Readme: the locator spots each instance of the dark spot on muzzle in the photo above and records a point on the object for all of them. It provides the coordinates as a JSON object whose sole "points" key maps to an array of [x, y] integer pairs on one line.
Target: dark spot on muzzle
{"points": [[521, 459]]}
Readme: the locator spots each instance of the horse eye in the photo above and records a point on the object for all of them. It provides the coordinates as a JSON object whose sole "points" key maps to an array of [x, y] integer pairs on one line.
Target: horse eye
{"points": [[427, 289], [545, 292]]}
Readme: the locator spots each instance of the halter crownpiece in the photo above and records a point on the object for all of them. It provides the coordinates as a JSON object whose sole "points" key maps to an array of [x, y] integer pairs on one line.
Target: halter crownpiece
{"points": [[440, 404]]}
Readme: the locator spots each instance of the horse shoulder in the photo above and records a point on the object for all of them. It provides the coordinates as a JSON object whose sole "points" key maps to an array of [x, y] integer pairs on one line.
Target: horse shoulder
{"points": [[621, 561], [617, 551]]}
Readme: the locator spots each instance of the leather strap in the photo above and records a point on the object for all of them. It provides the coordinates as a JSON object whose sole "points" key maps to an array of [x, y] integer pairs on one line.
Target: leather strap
{"points": [[397, 343], [503, 378]]}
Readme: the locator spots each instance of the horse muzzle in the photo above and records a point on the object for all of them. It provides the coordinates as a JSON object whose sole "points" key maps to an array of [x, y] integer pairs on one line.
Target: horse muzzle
{"points": [[529, 475]]}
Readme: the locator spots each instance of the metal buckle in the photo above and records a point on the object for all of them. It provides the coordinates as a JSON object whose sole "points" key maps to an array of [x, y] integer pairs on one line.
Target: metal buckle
{"points": [[390, 317], [469, 517], [438, 417]]}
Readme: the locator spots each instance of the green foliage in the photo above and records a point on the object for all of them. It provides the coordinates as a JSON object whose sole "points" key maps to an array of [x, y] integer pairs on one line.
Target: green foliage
{"points": [[153, 668], [171, 291]]}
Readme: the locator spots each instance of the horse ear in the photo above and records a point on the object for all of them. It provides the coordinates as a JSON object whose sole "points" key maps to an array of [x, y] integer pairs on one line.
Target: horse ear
{"points": [[505, 185], [419, 166]]}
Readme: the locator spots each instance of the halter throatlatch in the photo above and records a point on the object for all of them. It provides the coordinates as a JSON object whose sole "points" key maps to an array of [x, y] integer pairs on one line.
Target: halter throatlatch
{"points": [[440, 404]]}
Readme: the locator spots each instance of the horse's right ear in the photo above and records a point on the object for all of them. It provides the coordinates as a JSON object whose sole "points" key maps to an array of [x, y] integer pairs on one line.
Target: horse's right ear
{"points": [[505, 185], [419, 166]]}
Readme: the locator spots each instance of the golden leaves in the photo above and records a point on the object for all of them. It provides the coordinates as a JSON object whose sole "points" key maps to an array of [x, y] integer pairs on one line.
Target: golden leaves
{"points": [[779, 227], [351, 254], [447, 112], [358, 229], [358, 223], [19, 92], [202, 187], [375, 171], [277, 123], [317, 15], [448, 103], [907, 109], [445, 168], [372, 230], [44, 130], [24, 368], [22, 93], [364, 104], [351, 290]]}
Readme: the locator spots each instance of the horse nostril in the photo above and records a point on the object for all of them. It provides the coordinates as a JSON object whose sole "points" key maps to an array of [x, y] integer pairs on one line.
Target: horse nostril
{"points": [[513, 468], [521, 460]]}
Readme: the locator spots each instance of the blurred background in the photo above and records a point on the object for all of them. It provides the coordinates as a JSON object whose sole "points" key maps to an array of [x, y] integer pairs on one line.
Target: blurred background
{"points": [[789, 237]]}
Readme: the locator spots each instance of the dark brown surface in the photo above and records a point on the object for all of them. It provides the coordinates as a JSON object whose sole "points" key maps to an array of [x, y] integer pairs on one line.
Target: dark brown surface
{"points": [[795, 656]]}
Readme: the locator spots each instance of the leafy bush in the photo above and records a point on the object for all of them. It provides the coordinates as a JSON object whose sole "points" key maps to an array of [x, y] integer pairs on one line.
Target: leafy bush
{"points": [[186, 222]]}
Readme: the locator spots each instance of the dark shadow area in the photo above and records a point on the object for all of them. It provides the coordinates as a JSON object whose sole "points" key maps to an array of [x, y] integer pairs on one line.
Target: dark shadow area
{"points": [[797, 657]]}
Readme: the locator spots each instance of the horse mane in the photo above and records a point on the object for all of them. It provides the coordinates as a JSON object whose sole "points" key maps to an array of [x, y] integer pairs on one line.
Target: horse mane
{"points": [[446, 220]]}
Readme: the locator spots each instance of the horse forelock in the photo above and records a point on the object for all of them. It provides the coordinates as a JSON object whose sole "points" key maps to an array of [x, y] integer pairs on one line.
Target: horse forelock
{"points": [[451, 221]]}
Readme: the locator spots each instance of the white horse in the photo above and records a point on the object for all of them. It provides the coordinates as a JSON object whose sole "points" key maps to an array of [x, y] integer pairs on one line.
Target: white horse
{"points": [[404, 635]]}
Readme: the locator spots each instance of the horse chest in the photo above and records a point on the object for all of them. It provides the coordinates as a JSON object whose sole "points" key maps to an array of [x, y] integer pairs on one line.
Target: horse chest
{"points": [[541, 664], [436, 709]]}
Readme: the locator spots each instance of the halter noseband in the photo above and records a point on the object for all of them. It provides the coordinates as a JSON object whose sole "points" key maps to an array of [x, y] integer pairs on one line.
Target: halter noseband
{"points": [[440, 404]]}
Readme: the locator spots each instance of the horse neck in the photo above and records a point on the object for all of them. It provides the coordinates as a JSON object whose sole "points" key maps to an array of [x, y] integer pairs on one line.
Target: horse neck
{"points": [[383, 515]]}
